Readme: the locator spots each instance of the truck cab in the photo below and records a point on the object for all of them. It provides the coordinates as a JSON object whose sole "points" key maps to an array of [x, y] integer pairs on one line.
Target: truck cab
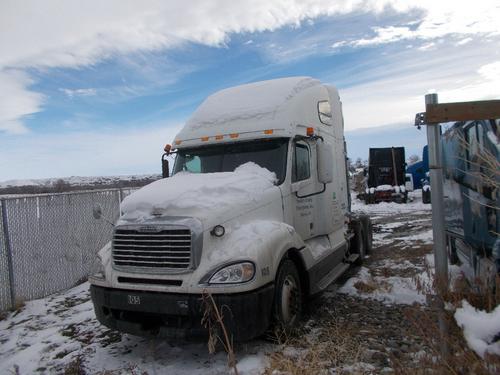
{"points": [[256, 214]]}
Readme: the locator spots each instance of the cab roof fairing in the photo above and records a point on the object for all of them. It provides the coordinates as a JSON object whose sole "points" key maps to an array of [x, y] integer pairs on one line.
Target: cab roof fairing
{"points": [[286, 106]]}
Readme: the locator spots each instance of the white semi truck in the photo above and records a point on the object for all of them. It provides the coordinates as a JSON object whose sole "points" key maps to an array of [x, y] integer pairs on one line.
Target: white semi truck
{"points": [[256, 213]]}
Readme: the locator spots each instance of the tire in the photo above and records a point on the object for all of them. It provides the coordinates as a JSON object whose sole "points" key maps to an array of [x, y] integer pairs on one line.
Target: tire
{"points": [[426, 196], [359, 243], [288, 298], [369, 198], [368, 231]]}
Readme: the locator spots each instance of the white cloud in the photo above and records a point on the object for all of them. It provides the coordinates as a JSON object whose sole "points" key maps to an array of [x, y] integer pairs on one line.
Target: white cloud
{"points": [[58, 33], [442, 18], [16, 100], [79, 92], [394, 93]]}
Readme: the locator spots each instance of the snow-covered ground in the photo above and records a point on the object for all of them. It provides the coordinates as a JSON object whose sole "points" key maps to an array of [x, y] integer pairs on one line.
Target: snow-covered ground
{"points": [[78, 180], [50, 334]]}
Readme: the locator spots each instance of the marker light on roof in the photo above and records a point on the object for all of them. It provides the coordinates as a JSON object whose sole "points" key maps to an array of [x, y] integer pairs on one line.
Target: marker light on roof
{"points": [[178, 142], [268, 131], [234, 135], [219, 137], [204, 139]]}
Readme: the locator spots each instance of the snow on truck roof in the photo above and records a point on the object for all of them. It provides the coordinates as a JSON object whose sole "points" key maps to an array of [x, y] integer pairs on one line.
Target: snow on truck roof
{"points": [[265, 105]]}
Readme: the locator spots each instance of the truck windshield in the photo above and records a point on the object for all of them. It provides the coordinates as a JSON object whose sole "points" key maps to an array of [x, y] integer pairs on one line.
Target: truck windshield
{"points": [[268, 153]]}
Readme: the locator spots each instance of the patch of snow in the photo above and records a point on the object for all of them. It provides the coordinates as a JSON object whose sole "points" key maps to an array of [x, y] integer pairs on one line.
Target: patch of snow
{"points": [[49, 333], [415, 206], [389, 290], [426, 237], [244, 239], [185, 193], [255, 100], [384, 188], [479, 328]]}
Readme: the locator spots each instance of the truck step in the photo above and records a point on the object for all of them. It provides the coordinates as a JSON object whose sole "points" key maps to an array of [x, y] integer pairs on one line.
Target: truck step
{"points": [[352, 258], [332, 275]]}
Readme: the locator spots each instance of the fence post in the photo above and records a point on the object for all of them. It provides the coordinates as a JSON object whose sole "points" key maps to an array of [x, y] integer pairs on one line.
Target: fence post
{"points": [[8, 251]]}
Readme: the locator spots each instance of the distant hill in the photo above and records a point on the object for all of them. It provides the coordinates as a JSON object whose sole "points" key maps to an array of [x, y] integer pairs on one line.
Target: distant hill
{"points": [[74, 183]]}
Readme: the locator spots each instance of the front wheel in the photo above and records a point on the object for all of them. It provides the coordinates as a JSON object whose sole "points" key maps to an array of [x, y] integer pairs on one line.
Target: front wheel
{"points": [[288, 296]]}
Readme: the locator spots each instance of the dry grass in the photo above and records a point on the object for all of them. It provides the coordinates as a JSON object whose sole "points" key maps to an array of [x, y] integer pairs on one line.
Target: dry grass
{"points": [[372, 284], [450, 353], [213, 320], [365, 287], [332, 345], [456, 359], [75, 367], [18, 306]]}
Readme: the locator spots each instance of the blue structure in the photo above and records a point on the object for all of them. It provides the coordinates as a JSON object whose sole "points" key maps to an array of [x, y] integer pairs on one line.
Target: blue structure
{"points": [[471, 218], [419, 169]]}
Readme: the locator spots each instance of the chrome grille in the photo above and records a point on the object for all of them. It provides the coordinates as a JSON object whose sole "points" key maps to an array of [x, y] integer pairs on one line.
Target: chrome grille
{"points": [[169, 248]]}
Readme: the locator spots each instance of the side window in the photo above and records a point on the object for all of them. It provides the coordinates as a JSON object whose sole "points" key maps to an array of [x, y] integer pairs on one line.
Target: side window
{"points": [[325, 112], [301, 163], [193, 164]]}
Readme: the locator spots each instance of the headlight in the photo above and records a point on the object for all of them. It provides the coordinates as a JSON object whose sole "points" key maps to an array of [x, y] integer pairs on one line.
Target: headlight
{"points": [[97, 270], [233, 274]]}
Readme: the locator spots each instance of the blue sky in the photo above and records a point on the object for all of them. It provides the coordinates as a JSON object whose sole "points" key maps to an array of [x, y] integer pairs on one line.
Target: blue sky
{"points": [[98, 88]]}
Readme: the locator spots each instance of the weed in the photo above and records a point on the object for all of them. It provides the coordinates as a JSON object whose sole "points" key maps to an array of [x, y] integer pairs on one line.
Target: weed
{"points": [[75, 367], [213, 320], [17, 307]]}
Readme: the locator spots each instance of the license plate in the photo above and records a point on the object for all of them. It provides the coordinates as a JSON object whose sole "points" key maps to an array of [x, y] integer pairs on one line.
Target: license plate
{"points": [[133, 300]]}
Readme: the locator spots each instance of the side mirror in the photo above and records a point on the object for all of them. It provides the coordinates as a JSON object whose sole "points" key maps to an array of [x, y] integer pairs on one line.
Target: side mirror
{"points": [[325, 162], [97, 211], [165, 171]]}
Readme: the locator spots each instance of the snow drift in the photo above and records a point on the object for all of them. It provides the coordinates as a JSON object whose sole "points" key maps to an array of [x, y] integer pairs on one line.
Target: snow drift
{"points": [[190, 194]]}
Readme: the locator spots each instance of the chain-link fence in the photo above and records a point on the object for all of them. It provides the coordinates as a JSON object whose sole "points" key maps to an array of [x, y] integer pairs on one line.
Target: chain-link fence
{"points": [[48, 242]]}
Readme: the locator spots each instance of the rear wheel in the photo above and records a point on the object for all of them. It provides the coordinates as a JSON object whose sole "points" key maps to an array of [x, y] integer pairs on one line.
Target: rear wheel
{"points": [[359, 242], [426, 196], [287, 296], [368, 232]]}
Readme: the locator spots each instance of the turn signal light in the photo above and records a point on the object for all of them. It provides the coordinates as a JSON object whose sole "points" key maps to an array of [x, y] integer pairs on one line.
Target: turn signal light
{"points": [[167, 148], [310, 132]]}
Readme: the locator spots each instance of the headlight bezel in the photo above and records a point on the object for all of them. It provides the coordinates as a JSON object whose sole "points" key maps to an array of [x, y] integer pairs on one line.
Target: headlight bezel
{"points": [[227, 267]]}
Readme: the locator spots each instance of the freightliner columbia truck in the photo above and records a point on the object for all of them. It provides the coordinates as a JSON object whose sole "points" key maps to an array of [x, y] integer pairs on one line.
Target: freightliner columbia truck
{"points": [[256, 213]]}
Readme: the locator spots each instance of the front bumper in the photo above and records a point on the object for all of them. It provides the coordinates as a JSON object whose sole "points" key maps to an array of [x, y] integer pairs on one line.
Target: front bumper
{"points": [[172, 315]]}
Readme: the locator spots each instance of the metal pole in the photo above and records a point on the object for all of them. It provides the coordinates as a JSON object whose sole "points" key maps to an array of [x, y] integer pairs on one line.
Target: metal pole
{"points": [[436, 176], [8, 251], [438, 231]]}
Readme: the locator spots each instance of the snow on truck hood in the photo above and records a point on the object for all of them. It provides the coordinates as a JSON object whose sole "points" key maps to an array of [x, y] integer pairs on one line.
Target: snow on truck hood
{"points": [[199, 194]]}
